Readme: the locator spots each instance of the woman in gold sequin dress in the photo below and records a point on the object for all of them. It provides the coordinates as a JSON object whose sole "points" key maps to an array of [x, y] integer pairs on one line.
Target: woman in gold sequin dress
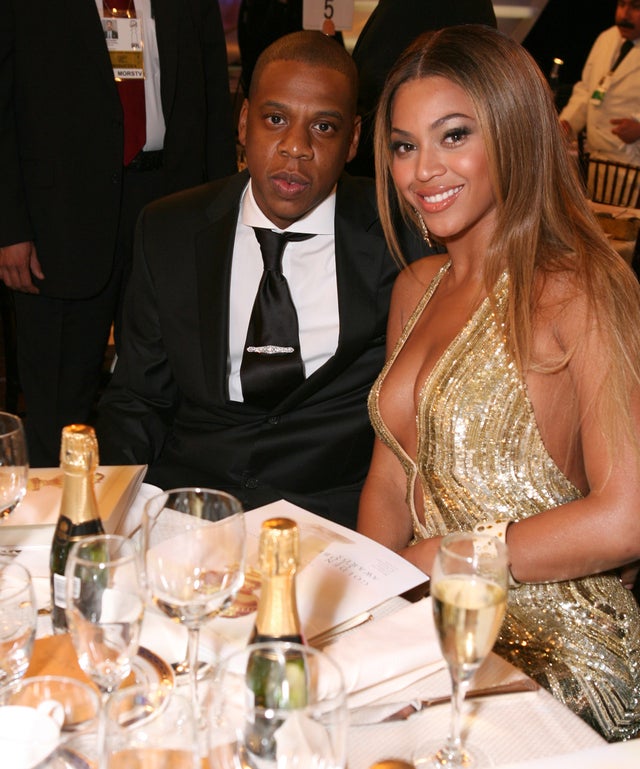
{"points": [[511, 396]]}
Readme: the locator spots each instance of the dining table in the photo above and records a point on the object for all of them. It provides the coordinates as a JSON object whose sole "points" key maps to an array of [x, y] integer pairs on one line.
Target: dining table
{"points": [[525, 725], [621, 225]]}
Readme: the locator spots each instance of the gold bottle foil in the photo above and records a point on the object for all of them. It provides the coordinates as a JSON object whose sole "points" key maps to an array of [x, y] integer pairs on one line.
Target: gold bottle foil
{"points": [[279, 557], [79, 448]]}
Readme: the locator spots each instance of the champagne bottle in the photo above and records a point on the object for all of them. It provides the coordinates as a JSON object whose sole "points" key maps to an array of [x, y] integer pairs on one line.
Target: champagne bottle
{"points": [[274, 686], [79, 516]]}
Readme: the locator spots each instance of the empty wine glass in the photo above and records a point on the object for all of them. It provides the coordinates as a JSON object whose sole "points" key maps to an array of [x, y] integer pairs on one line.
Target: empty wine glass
{"points": [[150, 726], [14, 465], [277, 705], [105, 606], [18, 619], [194, 543], [469, 585]]}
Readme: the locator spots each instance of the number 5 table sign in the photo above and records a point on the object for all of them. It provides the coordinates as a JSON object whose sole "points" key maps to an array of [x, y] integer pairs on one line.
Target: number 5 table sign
{"points": [[327, 15]]}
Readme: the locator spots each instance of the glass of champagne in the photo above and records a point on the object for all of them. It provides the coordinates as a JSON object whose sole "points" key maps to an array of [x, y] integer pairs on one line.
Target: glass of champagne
{"points": [[105, 606], [194, 545], [277, 705], [18, 618], [14, 465], [148, 727], [469, 585]]}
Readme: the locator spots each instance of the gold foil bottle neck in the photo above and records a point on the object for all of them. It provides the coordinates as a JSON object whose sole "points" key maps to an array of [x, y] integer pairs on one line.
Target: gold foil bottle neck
{"points": [[279, 547], [79, 448]]}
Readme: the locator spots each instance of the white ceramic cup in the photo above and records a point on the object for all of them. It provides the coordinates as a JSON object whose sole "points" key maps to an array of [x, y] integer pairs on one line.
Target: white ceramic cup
{"points": [[27, 736]]}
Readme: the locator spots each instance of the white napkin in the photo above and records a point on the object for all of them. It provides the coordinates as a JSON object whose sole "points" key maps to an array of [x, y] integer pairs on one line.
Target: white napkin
{"points": [[621, 755], [388, 654], [133, 519]]}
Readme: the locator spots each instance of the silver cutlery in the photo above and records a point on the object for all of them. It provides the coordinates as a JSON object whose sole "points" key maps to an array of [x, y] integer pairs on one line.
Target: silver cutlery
{"points": [[367, 715]]}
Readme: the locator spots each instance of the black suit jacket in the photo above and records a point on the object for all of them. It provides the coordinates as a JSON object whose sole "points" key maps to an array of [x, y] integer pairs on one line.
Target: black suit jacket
{"points": [[61, 130], [167, 404]]}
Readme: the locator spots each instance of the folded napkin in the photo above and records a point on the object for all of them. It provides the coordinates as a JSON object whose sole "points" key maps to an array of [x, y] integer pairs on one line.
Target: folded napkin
{"points": [[388, 654], [133, 519]]}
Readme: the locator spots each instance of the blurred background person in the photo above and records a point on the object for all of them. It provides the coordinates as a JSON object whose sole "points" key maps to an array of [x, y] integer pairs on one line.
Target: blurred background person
{"points": [[80, 156], [606, 101]]}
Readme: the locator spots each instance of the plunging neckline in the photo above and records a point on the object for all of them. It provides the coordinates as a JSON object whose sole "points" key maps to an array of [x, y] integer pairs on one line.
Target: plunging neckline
{"points": [[409, 462]]}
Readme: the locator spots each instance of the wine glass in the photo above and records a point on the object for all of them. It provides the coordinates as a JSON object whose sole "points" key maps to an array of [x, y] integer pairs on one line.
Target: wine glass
{"points": [[18, 619], [194, 545], [150, 726], [469, 586], [105, 607], [277, 705], [14, 465]]}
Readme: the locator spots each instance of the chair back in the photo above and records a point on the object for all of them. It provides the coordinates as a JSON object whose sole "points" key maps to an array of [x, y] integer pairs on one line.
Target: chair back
{"points": [[614, 184]]}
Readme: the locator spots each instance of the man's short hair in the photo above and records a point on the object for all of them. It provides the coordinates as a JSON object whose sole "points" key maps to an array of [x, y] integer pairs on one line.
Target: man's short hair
{"points": [[308, 47]]}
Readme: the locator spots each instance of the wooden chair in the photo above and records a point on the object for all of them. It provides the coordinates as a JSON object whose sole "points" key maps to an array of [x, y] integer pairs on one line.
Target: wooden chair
{"points": [[614, 184]]}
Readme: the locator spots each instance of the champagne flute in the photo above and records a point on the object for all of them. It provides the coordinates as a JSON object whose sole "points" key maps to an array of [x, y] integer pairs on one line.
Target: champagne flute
{"points": [[14, 465], [105, 607], [18, 618], [469, 586], [194, 544]]}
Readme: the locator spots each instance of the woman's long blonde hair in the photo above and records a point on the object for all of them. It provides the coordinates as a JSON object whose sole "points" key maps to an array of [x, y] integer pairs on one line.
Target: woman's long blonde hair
{"points": [[543, 220]]}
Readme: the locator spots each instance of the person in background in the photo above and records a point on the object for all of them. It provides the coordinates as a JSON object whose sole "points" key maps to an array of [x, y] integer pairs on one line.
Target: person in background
{"points": [[490, 413], [606, 101], [182, 398], [80, 155], [393, 24]]}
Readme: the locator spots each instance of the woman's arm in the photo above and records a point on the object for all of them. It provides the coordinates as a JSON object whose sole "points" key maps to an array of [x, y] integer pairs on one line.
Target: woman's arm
{"points": [[597, 533]]}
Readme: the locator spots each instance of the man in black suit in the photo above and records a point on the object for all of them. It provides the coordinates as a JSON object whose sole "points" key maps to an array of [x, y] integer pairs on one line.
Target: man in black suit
{"points": [[69, 197], [176, 399]]}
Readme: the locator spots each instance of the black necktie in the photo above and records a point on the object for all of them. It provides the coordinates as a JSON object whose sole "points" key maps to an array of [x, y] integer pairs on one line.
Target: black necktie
{"points": [[271, 363], [626, 47]]}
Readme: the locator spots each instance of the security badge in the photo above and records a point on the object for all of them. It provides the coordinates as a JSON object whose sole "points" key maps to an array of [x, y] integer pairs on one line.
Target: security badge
{"points": [[597, 97], [124, 44]]}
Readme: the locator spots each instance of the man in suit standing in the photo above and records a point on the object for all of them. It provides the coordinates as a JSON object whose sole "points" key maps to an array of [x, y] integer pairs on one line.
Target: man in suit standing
{"points": [[606, 101], [74, 180], [177, 399]]}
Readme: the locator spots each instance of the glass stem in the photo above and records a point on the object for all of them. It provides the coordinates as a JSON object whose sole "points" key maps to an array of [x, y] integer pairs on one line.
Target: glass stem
{"points": [[459, 686], [102, 730], [193, 640]]}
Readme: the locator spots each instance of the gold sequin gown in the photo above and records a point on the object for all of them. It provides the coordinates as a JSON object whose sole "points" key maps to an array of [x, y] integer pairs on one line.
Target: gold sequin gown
{"points": [[480, 456]]}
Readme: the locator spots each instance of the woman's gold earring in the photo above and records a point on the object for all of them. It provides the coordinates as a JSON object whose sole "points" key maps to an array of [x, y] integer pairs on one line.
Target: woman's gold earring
{"points": [[424, 229]]}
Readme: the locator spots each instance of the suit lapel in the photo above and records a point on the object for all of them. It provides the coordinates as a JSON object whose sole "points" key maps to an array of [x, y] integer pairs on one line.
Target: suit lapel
{"points": [[83, 15], [214, 254], [168, 25]]}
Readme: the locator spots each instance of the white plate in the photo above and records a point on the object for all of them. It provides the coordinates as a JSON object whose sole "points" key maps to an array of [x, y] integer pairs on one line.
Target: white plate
{"points": [[150, 668]]}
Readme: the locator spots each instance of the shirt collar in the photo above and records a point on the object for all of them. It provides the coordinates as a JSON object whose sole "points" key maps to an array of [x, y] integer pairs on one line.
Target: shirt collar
{"points": [[319, 221]]}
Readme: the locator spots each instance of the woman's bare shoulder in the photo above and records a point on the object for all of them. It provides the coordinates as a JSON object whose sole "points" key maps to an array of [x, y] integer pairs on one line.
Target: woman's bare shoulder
{"points": [[416, 277]]}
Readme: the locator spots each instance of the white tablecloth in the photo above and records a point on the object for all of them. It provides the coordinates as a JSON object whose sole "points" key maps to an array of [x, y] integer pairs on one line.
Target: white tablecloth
{"points": [[508, 728]]}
